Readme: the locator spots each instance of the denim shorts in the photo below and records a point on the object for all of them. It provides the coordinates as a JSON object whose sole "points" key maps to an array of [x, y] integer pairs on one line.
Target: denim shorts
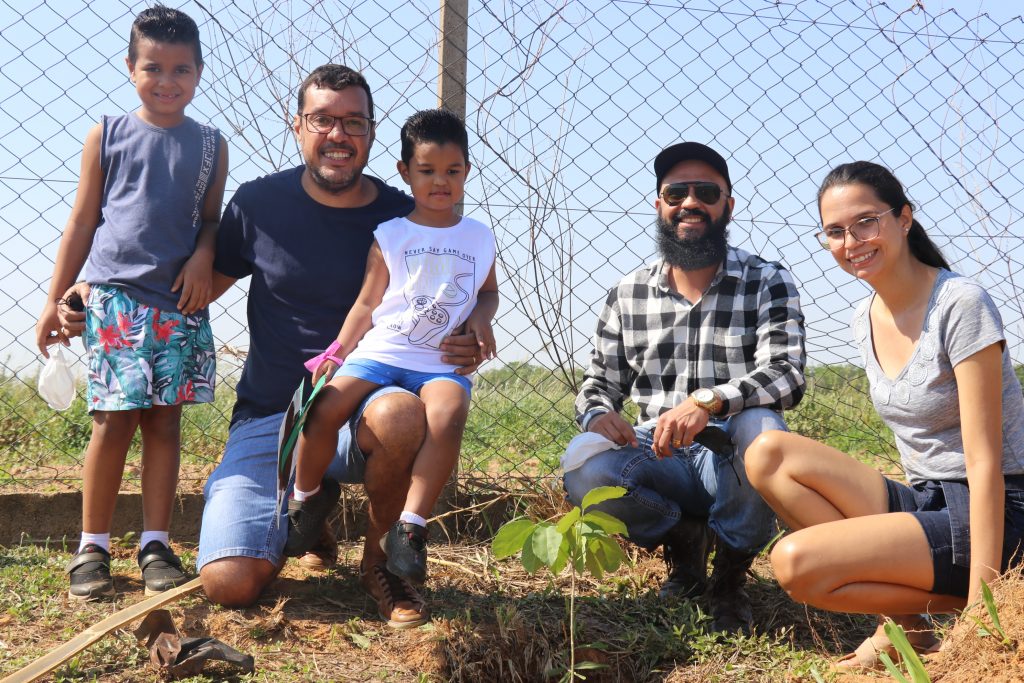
{"points": [[392, 376], [942, 507], [140, 356], [239, 517]]}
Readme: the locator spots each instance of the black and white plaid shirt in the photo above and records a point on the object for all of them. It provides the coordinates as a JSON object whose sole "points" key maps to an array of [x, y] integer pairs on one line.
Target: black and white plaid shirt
{"points": [[744, 338]]}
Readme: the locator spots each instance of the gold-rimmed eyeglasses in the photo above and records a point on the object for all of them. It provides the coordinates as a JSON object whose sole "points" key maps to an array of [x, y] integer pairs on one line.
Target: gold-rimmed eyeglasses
{"points": [[834, 236]]}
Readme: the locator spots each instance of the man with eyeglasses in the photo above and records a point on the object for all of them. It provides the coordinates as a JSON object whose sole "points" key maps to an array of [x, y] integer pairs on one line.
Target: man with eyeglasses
{"points": [[708, 342], [302, 235]]}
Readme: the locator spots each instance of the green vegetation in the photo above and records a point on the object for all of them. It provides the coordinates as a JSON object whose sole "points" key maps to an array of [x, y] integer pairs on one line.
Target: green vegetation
{"points": [[580, 539], [909, 658], [522, 417], [996, 629]]}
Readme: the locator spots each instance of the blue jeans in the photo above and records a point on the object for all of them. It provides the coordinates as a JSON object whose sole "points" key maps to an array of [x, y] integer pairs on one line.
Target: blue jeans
{"points": [[693, 482], [241, 518]]}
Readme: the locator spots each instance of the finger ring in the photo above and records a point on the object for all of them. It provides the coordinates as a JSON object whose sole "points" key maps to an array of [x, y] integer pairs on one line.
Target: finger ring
{"points": [[676, 443]]}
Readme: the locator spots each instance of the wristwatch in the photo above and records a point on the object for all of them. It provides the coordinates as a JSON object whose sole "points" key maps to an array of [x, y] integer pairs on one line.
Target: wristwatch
{"points": [[708, 399]]}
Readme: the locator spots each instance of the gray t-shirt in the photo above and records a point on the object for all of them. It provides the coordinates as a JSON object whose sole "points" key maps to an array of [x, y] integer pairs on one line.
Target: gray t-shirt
{"points": [[921, 404], [155, 181]]}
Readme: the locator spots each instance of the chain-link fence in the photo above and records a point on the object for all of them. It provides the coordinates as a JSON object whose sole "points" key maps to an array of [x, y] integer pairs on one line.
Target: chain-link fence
{"points": [[567, 104]]}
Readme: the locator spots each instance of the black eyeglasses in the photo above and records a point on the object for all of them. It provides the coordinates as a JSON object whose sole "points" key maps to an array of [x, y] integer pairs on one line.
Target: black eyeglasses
{"points": [[834, 236], [350, 125], [705, 192]]}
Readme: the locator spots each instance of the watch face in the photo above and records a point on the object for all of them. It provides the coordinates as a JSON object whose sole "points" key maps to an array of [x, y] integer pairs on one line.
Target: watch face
{"points": [[704, 395]]}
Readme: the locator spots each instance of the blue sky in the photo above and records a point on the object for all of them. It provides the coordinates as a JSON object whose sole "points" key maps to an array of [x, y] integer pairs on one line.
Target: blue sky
{"points": [[784, 89]]}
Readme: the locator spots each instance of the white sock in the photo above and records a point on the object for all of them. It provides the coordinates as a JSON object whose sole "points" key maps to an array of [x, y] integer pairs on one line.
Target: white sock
{"points": [[102, 540], [162, 536], [303, 495], [412, 518]]}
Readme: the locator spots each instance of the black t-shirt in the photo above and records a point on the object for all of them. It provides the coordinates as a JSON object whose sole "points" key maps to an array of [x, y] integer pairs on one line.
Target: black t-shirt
{"points": [[307, 263]]}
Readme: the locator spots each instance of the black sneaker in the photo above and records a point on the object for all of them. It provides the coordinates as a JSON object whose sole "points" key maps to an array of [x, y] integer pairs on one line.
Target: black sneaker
{"points": [[685, 549], [90, 574], [306, 519], [161, 568], [406, 547]]}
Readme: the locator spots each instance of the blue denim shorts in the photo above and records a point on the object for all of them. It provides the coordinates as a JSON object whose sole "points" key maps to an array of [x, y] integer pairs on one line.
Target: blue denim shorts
{"points": [[390, 375], [239, 518], [942, 510]]}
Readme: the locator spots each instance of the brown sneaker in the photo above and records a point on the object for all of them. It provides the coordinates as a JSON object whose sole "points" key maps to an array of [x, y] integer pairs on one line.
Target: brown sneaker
{"points": [[730, 604], [397, 601], [324, 554]]}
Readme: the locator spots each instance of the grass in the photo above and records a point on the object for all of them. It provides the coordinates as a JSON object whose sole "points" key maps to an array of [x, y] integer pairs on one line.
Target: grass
{"points": [[521, 419]]}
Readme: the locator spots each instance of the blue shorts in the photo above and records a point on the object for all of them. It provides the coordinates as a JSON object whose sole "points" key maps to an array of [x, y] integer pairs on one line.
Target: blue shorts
{"points": [[942, 510], [391, 376], [140, 356], [239, 519]]}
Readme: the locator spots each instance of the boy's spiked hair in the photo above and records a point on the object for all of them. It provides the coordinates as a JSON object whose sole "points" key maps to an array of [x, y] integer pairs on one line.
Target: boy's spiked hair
{"points": [[334, 77], [433, 125], [164, 25]]}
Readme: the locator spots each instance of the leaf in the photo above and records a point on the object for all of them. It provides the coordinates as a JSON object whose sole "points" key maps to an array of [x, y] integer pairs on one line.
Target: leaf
{"points": [[530, 561], [360, 640], [568, 520], [584, 666], [898, 637], [983, 630], [609, 523], [993, 613], [579, 560], [546, 542], [561, 559], [601, 494], [594, 565], [510, 538], [611, 554], [892, 669]]}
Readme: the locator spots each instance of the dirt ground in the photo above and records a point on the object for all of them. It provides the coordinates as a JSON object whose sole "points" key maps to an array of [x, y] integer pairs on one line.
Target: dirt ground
{"points": [[491, 622], [494, 622]]}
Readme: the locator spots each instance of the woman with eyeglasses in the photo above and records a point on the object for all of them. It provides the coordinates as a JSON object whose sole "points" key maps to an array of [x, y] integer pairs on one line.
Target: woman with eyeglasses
{"points": [[941, 378]]}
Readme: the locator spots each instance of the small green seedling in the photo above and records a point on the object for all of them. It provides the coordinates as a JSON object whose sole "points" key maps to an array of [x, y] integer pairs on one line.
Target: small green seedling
{"points": [[915, 667], [581, 539], [996, 629]]}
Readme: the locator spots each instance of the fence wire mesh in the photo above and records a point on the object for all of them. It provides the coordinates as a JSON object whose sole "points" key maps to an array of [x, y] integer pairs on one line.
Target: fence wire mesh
{"points": [[567, 104]]}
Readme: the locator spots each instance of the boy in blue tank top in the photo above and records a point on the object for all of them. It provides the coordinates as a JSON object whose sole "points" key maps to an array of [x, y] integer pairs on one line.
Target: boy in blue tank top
{"points": [[426, 274], [143, 226]]}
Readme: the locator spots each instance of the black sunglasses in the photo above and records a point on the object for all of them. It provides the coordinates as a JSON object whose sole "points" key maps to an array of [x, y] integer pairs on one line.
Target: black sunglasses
{"points": [[706, 193]]}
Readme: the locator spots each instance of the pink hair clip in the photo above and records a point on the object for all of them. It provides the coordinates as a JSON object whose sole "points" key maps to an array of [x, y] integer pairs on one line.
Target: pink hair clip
{"points": [[316, 361]]}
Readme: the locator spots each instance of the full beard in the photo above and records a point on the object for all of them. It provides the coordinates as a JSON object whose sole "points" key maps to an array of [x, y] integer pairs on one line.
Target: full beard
{"points": [[693, 253]]}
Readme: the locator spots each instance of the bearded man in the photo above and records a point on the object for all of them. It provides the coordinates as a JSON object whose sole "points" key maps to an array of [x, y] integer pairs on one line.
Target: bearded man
{"points": [[706, 335]]}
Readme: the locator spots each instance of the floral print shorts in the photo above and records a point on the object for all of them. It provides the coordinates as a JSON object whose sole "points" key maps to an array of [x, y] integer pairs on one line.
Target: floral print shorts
{"points": [[140, 356]]}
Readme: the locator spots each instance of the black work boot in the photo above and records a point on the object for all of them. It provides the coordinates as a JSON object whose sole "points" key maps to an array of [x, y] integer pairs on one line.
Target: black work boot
{"points": [[686, 547], [730, 604]]}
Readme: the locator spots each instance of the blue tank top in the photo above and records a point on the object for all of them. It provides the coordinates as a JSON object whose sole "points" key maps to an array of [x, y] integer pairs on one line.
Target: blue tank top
{"points": [[155, 181]]}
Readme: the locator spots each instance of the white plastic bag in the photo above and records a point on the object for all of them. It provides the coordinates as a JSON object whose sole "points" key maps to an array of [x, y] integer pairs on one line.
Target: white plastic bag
{"points": [[56, 382]]}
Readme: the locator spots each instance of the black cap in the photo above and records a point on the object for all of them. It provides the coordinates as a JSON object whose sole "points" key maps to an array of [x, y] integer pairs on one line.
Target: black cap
{"points": [[685, 151]]}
